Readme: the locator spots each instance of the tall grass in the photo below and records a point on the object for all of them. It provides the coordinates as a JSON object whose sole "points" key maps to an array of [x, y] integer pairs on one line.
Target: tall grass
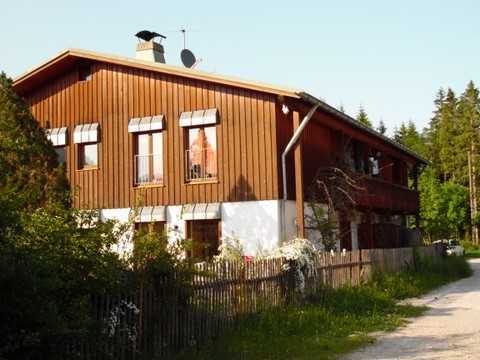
{"points": [[471, 250], [333, 321], [424, 277]]}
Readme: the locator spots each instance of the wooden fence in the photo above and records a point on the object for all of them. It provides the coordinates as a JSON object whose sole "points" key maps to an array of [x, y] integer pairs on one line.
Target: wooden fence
{"points": [[166, 318]]}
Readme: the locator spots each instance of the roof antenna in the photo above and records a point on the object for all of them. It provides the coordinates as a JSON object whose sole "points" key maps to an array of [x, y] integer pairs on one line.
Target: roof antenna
{"points": [[188, 58]]}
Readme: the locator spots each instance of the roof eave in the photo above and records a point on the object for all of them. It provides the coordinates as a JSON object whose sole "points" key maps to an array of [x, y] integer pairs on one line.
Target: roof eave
{"points": [[20, 81], [351, 121]]}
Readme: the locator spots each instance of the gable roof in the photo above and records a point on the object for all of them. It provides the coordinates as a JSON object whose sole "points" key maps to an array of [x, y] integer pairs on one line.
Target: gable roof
{"points": [[67, 58], [70, 57]]}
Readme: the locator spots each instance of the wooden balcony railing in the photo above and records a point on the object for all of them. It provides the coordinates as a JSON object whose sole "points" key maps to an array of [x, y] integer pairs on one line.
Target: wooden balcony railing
{"points": [[383, 195]]}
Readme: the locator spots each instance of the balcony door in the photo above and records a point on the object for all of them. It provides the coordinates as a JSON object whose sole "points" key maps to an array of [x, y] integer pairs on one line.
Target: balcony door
{"points": [[149, 159]]}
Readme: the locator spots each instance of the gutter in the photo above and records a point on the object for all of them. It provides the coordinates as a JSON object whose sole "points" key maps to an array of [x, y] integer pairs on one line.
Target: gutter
{"points": [[294, 139]]}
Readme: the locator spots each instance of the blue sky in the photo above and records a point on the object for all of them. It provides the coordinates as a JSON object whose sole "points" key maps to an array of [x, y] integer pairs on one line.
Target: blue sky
{"points": [[391, 59]]}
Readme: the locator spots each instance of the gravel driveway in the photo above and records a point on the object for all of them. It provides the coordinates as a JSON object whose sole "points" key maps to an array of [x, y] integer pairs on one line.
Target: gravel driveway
{"points": [[449, 330]]}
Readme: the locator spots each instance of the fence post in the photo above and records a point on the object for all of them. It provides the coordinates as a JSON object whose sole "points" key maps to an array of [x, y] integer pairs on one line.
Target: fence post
{"points": [[290, 288]]}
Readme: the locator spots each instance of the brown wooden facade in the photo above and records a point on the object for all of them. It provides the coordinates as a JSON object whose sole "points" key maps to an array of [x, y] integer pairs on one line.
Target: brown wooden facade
{"points": [[247, 152], [252, 132]]}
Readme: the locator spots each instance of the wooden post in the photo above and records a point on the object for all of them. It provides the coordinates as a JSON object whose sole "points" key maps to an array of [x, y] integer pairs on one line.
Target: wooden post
{"points": [[299, 180], [370, 241]]}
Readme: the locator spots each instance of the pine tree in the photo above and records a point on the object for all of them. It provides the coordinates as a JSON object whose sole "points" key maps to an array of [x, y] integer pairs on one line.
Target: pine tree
{"points": [[381, 128], [409, 136], [468, 140], [362, 117], [453, 161], [432, 131]]}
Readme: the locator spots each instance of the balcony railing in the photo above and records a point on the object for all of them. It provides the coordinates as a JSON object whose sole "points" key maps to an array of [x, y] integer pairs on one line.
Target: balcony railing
{"points": [[380, 194], [148, 169], [200, 165]]}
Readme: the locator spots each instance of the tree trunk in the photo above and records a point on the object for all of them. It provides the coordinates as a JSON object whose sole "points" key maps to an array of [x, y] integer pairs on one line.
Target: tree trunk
{"points": [[470, 189], [473, 192]]}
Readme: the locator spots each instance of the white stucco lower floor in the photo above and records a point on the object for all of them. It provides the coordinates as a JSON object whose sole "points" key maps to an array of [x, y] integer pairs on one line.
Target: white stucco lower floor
{"points": [[256, 224]]}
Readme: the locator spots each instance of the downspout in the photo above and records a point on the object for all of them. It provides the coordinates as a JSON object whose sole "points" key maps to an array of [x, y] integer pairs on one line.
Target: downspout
{"points": [[296, 135]]}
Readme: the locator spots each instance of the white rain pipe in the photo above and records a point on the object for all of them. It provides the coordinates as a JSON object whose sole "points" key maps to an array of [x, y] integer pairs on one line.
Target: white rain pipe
{"points": [[296, 135]]}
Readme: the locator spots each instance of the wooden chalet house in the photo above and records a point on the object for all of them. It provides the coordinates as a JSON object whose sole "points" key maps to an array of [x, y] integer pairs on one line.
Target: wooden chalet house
{"points": [[200, 154]]}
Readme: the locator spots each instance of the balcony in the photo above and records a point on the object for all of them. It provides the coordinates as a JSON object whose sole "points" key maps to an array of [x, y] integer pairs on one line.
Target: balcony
{"points": [[383, 195], [201, 165], [148, 169]]}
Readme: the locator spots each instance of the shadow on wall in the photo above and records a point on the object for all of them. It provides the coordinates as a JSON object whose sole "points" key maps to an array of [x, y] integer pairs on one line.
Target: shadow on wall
{"points": [[253, 222]]}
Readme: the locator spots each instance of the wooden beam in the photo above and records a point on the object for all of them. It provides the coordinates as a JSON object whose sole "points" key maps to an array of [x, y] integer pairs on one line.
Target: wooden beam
{"points": [[299, 180]]}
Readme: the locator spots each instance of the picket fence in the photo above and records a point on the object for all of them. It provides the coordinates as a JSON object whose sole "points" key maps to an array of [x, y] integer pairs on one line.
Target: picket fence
{"points": [[164, 319]]}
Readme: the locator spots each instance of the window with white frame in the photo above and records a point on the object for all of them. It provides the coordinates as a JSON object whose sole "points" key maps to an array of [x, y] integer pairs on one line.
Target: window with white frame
{"points": [[201, 144], [58, 138], [86, 137], [148, 140]]}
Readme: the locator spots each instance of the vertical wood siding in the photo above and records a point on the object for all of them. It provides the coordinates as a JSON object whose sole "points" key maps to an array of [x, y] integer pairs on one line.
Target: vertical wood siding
{"points": [[246, 136]]}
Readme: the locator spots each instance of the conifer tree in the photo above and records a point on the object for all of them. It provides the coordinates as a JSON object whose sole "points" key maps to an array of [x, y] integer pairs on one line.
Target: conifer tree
{"points": [[468, 140], [381, 128], [362, 117], [431, 132], [453, 163]]}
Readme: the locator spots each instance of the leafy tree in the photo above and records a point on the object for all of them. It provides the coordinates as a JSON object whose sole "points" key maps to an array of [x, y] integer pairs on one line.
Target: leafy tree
{"points": [[53, 258], [362, 117], [49, 266], [28, 163], [444, 206]]}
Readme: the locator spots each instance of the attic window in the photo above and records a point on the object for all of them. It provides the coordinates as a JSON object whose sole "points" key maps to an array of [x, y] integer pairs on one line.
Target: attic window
{"points": [[84, 72]]}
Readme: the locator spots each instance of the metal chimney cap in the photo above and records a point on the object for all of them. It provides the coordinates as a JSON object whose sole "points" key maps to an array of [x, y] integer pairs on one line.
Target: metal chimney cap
{"points": [[147, 35]]}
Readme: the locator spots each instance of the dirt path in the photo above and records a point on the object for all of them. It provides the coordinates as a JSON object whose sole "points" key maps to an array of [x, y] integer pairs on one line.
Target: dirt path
{"points": [[449, 330]]}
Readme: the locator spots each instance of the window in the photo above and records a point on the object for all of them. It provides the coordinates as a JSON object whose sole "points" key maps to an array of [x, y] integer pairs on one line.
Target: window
{"points": [[88, 156], [61, 154], [86, 136], [205, 236], [149, 159], [157, 227], [84, 72], [201, 153], [156, 230]]}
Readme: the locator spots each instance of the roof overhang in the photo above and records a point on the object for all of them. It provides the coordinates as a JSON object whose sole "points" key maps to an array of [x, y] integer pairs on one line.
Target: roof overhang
{"points": [[68, 58], [355, 124]]}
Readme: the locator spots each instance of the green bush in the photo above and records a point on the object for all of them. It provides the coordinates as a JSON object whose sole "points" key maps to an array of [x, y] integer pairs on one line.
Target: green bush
{"points": [[471, 250]]}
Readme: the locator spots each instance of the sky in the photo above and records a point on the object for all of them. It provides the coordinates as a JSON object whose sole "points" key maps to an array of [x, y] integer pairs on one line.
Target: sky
{"points": [[388, 57]]}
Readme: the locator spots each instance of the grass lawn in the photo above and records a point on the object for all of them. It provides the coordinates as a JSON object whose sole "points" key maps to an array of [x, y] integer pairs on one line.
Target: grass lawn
{"points": [[333, 322]]}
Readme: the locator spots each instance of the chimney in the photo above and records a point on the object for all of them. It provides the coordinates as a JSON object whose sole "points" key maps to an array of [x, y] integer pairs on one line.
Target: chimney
{"points": [[148, 49]]}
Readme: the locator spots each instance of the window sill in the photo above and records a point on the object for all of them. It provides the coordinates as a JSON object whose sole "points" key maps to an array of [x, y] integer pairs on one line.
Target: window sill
{"points": [[147, 186], [88, 168], [206, 181]]}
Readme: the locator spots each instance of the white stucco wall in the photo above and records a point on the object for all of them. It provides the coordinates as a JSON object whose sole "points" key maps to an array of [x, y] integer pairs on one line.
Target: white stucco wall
{"points": [[125, 246], [176, 229], [254, 223]]}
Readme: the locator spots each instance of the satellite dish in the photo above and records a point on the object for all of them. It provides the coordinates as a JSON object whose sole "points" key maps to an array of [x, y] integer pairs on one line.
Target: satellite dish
{"points": [[188, 59]]}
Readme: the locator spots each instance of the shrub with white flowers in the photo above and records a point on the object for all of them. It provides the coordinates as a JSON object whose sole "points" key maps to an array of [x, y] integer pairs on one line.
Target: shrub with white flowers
{"points": [[117, 324], [300, 255]]}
